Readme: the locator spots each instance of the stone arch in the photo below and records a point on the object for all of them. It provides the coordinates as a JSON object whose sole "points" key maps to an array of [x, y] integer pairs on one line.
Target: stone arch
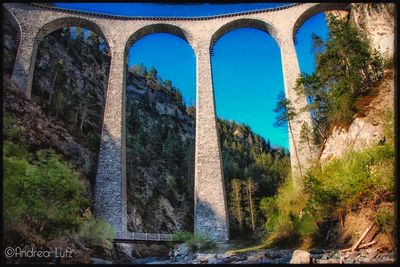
{"points": [[45, 30], [243, 23], [7, 15], [69, 22], [315, 9], [158, 28]]}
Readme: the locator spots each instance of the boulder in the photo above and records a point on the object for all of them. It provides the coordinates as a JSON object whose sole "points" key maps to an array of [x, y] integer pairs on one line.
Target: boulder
{"points": [[300, 257]]}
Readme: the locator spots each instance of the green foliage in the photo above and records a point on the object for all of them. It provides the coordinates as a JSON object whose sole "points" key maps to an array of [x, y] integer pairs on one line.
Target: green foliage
{"points": [[385, 219], [343, 182], [346, 68], [245, 154], [97, 232], [196, 242], [285, 110], [41, 190], [75, 101], [340, 184], [11, 129], [285, 218], [79, 34]]}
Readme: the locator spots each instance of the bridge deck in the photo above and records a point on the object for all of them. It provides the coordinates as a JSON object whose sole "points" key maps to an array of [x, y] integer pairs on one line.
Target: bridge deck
{"points": [[131, 237]]}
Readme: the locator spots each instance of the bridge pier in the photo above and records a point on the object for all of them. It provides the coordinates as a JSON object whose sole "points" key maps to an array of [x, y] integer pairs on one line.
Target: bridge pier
{"points": [[210, 212], [300, 154], [24, 65], [110, 187]]}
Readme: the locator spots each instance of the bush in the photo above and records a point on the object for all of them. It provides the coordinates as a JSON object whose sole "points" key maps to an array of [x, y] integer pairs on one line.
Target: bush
{"points": [[41, 190], [97, 232], [344, 182], [196, 242], [384, 218], [11, 129], [288, 219]]}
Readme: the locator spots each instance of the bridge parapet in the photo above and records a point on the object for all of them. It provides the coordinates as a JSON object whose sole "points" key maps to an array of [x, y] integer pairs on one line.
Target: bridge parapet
{"points": [[137, 236]]}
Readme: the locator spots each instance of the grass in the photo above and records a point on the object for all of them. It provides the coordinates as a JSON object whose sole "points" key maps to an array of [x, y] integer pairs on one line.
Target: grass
{"points": [[196, 242], [293, 214]]}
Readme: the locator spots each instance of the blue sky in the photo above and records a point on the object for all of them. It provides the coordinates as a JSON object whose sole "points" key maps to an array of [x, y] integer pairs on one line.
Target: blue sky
{"points": [[247, 70]]}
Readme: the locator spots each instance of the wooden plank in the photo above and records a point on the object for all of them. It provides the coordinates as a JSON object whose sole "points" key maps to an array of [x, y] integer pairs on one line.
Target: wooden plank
{"points": [[361, 238]]}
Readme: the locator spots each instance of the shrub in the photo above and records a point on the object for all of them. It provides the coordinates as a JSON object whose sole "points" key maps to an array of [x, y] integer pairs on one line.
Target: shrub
{"points": [[196, 242], [97, 232], [41, 190], [384, 218], [343, 182], [11, 129]]}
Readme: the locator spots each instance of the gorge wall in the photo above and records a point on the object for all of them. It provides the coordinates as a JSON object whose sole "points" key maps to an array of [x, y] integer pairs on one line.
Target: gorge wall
{"points": [[377, 20]]}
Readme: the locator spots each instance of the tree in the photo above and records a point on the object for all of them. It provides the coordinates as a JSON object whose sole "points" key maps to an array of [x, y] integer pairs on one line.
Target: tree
{"points": [[250, 189], [152, 74], [236, 202], [79, 34], [286, 113], [94, 41], [346, 68], [138, 69], [306, 136], [58, 68], [168, 85]]}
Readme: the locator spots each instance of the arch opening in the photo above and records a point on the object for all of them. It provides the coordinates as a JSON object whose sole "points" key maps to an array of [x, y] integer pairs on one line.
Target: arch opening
{"points": [[247, 76], [69, 82], [160, 130]]}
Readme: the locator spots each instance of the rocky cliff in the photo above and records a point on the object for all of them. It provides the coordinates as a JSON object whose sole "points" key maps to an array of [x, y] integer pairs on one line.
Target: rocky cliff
{"points": [[367, 127], [376, 20]]}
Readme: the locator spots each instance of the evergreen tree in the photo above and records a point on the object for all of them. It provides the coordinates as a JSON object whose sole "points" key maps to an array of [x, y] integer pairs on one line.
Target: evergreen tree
{"points": [[286, 113], [250, 188], [79, 34], [236, 202], [152, 74], [94, 41]]}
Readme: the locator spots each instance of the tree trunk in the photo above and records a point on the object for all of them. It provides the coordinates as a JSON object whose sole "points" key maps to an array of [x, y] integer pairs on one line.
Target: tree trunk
{"points": [[83, 118], [76, 114], [251, 206], [52, 89]]}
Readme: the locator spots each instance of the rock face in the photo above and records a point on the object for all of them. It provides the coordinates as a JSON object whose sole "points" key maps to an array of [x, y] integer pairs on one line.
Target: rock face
{"points": [[160, 160], [376, 20], [367, 128]]}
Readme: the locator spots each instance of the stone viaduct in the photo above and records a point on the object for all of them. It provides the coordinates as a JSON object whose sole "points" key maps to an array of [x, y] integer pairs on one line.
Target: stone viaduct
{"points": [[35, 21]]}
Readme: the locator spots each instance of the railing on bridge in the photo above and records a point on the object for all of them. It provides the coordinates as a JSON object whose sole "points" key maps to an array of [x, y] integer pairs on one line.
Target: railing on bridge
{"points": [[145, 236]]}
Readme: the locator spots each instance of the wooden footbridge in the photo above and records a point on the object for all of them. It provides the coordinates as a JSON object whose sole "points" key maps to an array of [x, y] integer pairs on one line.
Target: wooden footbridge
{"points": [[132, 237]]}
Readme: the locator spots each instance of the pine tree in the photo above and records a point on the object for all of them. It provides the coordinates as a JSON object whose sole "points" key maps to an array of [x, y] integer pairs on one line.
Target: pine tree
{"points": [[94, 41], [250, 187], [236, 202], [286, 113], [79, 34]]}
